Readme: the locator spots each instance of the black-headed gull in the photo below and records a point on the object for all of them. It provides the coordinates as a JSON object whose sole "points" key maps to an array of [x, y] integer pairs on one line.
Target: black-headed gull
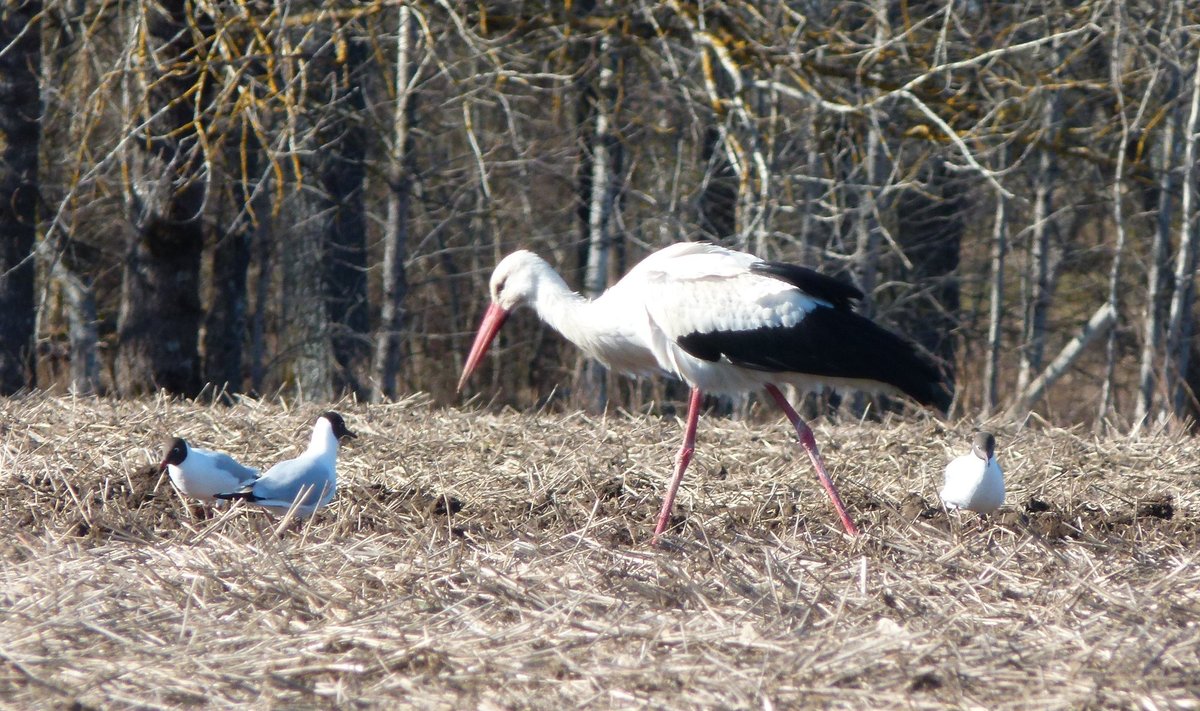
{"points": [[202, 473], [974, 481], [309, 480]]}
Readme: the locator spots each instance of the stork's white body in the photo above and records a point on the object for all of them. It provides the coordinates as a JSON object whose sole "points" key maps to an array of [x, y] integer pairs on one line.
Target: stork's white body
{"points": [[973, 483], [722, 321]]}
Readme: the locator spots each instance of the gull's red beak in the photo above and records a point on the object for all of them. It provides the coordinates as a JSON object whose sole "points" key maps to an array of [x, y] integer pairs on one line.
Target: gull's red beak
{"points": [[493, 319]]}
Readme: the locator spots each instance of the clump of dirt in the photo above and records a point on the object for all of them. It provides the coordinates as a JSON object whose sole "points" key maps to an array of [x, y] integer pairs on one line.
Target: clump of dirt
{"points": [[1036, 506], [1161, 506], [914, 506]]}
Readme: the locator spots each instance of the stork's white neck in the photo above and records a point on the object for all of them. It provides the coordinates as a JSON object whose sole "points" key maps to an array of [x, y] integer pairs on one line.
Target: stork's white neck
{"points": [[604, 328], [566, 311], [322, 441]]}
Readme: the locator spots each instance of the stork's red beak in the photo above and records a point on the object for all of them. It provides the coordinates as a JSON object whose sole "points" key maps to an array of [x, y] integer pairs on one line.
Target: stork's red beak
{"points": [[493, 319]]}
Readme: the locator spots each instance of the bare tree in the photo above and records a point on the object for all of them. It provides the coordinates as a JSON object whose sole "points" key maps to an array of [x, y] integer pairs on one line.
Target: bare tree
{"points": [[20, 131], [1179, 324], [851, 137], [1039, 279], [995, 333], [1118, 250], [165, 199], [225, 325], [1158, 291], [400, 176], [600, 169]]}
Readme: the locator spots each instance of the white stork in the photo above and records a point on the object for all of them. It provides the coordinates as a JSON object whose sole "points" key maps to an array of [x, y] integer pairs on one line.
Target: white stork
{"points": [[724, 322]]}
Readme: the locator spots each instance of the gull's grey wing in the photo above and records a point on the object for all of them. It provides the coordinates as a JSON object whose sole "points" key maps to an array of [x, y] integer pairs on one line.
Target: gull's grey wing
{"points": [[243, 474], [285, 480]]}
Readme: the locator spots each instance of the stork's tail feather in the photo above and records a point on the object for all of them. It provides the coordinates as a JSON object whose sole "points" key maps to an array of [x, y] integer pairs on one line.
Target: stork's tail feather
{"points": [[833, 343], [923, 382], [905, 366]]}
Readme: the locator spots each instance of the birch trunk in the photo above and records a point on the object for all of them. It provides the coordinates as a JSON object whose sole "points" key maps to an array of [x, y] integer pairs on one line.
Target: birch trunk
{"points": [[601, 204], [1157, 289], [991, 372], [1179, 323], [866, 253], [1099, 324], [1038, 279], [388, 343], [1114, 275]]}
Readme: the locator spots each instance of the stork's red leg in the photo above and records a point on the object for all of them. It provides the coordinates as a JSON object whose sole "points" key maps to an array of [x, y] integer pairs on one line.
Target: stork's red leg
{"points": [[681, 460], [809, 442]]}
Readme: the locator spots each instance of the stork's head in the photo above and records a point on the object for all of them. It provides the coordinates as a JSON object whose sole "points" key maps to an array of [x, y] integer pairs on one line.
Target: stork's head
{"points": [[514, 282]]}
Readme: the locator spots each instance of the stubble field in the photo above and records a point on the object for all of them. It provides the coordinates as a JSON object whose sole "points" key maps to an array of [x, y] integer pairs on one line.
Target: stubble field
{"points": [[476, 559]]}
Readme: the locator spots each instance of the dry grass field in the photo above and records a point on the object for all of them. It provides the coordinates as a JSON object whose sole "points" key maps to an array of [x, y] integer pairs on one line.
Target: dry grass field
{"points": [[474, 559]]}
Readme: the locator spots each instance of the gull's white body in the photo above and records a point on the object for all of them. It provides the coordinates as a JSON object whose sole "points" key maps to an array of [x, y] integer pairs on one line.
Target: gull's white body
{"points": [[974, 484], [203, 474], [313, 473]]}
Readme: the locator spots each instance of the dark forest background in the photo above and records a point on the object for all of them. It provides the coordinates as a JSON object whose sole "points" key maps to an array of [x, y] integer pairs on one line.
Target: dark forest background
{"points": [[305, 197]]}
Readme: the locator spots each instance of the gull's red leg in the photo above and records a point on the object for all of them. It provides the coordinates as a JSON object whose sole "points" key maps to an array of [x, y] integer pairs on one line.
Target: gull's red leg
{"points": [[681, 459], [809, 442]]}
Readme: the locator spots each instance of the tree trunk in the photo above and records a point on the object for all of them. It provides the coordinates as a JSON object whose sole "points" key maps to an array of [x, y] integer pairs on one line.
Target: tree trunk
{"points": [[225, 325], [263, 268], [307, 344], [160, 299], [601, 196], [1179, 324], [343, 175], [1038, 279], [991, 372], [1103, 319], [1114, 274], [81, 328], [386, 366], [1157, 289], [867, 227], [20, 131]]}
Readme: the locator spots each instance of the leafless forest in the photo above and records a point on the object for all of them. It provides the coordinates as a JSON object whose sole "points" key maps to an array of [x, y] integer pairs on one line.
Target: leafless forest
{"points": [[252, 196]]}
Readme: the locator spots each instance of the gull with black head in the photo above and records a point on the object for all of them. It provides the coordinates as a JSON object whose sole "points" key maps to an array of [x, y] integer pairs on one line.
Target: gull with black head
{"points": [[202, 473], [308, 481], [975, 481]]}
